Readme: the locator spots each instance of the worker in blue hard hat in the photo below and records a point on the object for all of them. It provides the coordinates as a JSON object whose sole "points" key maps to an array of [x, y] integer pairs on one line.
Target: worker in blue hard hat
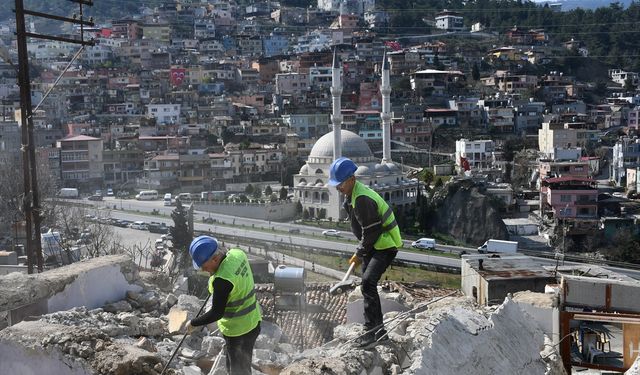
{"points": [[234, 304], [375, 226]]}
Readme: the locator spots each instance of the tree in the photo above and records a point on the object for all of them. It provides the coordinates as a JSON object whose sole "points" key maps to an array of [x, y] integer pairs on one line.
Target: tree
{"points": [[181, 234], [298, 207], [268, 190], [628, 84], [249, 189], [305, 214], [257, 193], [475, 72], [427, 176], [284, 193]]}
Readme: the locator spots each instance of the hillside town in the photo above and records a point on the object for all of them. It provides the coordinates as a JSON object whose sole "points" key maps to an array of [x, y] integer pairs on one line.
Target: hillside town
{"points": [[508, 157]]}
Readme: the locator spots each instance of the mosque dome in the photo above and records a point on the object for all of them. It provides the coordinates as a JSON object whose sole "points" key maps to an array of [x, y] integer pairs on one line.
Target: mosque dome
{"points": [[304, 169], [392, 167], [381, 168], [353, 146], [363, 170]]}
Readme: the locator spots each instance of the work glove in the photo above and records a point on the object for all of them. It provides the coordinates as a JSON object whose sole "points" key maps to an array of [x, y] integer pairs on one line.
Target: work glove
{"points": [[355, 259]]}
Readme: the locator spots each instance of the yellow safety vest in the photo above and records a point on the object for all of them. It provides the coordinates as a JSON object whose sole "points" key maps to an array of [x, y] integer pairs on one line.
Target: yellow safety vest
{"points": [[242, 312], [390, 236]]}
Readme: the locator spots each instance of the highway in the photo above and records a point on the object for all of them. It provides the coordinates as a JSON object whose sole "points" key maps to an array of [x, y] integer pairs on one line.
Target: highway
{"points": [[237, 226]]}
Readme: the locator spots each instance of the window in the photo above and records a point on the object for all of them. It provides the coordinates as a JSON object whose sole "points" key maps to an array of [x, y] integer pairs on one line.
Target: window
{"points": [[565, 198]]}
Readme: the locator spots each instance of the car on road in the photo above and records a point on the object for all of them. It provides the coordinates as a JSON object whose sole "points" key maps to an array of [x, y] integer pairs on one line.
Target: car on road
{"points": [[109, 192], [424, 243], [331, 233], [295, 230], [208, 220], [122, 194], [95, 197]]}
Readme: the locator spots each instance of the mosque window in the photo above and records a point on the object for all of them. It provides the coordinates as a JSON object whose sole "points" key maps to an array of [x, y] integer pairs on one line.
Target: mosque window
{"points": [[319, 171]]}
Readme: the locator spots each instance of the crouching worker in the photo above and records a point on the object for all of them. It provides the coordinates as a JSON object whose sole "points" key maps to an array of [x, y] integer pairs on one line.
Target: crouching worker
{"points": [[234, 305]]}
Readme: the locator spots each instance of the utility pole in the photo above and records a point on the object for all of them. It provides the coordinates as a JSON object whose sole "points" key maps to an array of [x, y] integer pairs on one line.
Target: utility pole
{"points": [[31, 194]]}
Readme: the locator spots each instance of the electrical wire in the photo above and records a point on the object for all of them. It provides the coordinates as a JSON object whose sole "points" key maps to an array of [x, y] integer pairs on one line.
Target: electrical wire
{"points": [[58, 79]]}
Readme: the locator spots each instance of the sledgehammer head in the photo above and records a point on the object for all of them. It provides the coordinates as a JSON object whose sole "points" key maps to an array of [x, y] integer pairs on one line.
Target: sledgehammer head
{"points": [[341, 287], [344, 283]]}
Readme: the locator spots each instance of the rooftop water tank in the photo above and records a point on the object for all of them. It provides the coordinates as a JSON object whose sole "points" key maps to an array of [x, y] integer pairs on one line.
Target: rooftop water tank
{"points": [[289, 279]]}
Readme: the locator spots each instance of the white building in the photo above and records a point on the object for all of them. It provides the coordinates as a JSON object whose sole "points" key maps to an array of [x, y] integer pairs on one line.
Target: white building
{"points": [[479, 153], [620, 76], [449, 21], [164, 113]]}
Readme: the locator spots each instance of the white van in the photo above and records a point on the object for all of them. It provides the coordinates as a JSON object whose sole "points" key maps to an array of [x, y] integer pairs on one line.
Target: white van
{"points": [[424, 243], [167, 199], [147, 195]]}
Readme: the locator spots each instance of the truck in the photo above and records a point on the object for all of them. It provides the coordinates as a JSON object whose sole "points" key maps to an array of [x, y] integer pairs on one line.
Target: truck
{"points": [[498, 246], [69, 193]]}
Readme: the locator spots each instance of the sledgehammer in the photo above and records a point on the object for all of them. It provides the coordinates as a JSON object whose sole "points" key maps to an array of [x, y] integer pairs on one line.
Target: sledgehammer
{"points": [[343, 283]]}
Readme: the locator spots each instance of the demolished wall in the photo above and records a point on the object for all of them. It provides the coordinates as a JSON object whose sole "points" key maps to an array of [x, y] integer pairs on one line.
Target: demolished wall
{"points": [[90, 283]]}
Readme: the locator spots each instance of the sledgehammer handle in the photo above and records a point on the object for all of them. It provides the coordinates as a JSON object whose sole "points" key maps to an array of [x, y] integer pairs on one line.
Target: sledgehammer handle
{"points": [[349, 271]]}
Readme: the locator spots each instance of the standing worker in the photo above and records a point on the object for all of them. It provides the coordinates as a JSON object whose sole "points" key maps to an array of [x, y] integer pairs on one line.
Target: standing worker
{"points": [[234, 305], [375, 226]]}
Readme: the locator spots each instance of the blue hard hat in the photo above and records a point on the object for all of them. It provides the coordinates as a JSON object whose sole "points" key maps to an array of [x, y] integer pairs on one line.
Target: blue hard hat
{"points": [[202, 249], [340, 170]]}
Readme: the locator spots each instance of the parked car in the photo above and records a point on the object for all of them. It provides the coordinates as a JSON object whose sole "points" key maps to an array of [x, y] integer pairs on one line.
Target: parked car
{"points": [[158, 228], [123, 194], [95, 197], [208, 220], [331, 233], [109, 192], [141, 225]]}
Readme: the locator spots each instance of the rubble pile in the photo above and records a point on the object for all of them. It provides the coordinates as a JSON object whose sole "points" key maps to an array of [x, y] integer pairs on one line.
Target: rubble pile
{"points": [[136, 336], [453, 336]]}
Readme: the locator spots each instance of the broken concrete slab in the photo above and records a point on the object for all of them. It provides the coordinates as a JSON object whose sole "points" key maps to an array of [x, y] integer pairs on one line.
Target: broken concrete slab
{"points": [[91, 283], [28, 347]]}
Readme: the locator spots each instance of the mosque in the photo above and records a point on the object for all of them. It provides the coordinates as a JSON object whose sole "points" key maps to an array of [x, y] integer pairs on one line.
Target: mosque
{"points": [[385, 177]]}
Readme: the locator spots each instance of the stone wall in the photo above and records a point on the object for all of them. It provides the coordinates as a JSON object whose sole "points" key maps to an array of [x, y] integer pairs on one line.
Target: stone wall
{"points": [[277, 211]]}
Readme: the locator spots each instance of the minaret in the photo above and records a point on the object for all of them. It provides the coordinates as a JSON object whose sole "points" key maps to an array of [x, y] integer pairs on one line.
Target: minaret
{"points": [[385, 90], [336, 117]]}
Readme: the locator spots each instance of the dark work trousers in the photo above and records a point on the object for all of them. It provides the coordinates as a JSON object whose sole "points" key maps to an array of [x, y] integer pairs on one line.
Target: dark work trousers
{"points": [[373, 266], [239, 352]]}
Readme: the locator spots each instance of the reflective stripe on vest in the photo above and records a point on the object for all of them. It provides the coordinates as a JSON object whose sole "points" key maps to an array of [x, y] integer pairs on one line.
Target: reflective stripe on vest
{"points": [[390, 236]]}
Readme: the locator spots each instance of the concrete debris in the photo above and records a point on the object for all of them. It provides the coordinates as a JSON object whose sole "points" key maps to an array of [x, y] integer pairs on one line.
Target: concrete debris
{"points": [[146, 344], [191, 354], [212, 345], [117, 307], [171, 300]]}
